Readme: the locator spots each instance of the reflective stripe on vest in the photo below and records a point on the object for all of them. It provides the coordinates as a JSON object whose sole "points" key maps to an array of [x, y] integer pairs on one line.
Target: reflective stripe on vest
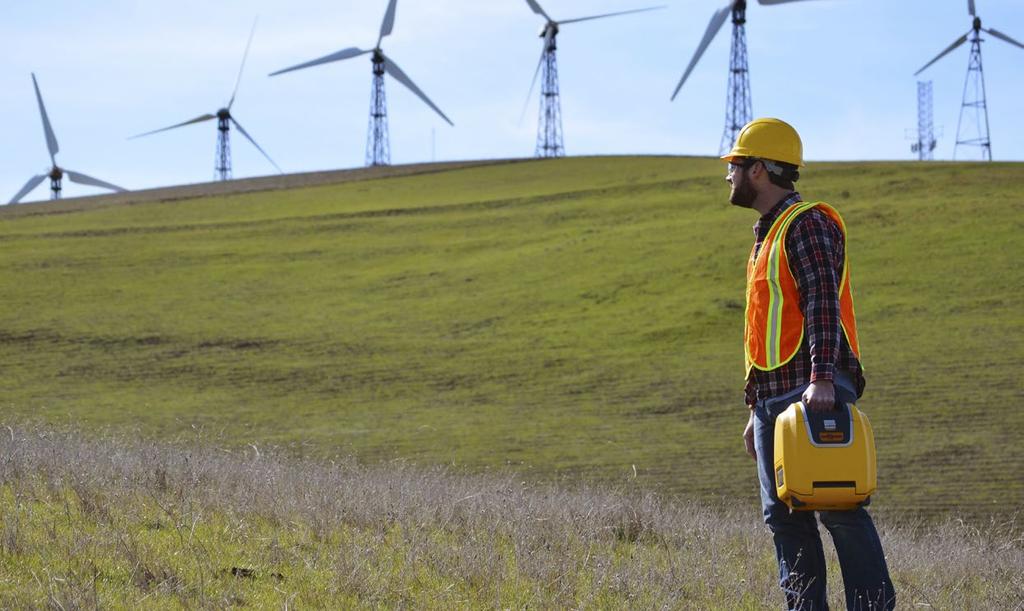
{"points": [[774, 327]]}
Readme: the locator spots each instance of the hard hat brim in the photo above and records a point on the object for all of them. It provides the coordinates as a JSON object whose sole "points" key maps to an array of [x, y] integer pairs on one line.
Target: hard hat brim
{"points": [[732, 155]]}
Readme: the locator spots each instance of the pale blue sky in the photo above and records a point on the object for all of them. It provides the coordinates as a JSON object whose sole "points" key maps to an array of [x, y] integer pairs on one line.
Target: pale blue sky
{"points": [[840, 70]]}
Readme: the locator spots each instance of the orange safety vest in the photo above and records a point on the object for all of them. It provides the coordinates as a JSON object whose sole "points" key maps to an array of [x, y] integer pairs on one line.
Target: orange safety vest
{"points": [[774, 326]]}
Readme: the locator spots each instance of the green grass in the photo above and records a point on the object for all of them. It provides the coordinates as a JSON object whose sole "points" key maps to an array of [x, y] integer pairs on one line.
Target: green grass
{"points": [[565, 318]]}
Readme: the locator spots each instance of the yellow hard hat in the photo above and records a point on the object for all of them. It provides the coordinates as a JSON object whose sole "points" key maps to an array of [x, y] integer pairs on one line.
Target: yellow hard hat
{"points": [[768, 139]]}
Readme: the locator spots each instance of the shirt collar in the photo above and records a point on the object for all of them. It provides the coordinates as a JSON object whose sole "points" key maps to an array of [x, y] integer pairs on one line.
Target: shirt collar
{"points": [[764, 223]]}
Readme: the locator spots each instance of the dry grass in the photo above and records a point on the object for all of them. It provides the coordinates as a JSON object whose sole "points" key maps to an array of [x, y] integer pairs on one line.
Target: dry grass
{"points": [[92, 523]]}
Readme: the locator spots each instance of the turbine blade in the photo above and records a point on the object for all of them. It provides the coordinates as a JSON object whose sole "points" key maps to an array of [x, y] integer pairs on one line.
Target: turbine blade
{"points": [[392, 68], [543, 52], [537, 9], [389, 21], [198, 119], [636, 10], [999, 34], [31, 184], [957, 43], [970, 7], [713, 27], [82, 179], [333, 57], [770, 2], [260, 149], [245, 56], [51, 140]]}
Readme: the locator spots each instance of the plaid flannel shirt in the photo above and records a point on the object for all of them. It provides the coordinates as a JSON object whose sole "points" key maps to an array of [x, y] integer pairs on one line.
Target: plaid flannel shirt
{"points": [[814, 246]]}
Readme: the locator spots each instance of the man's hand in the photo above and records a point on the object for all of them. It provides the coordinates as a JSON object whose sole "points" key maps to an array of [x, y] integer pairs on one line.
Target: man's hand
{"points": [[748, 436], [820, 396]]}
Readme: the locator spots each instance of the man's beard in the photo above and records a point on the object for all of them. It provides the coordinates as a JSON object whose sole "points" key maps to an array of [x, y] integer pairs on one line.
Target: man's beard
{"points": [[743, 195]]}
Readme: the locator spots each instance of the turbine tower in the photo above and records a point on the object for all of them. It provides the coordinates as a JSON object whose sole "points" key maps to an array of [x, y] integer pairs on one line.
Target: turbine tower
{"points": [[222, 157], [378, 150], [56, 173], [739, 109], [378, 141], [549, 120], [974, 105], [738, 106], [925, 143]]}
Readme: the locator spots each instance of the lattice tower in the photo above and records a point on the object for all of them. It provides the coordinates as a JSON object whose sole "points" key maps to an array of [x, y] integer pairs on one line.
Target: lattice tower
{"points": [[222, 160], [738, 107], [972, 127], [549, 123], [378, 148]]}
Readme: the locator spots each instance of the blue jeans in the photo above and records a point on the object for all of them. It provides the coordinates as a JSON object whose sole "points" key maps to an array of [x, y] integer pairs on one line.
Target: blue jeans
{"points": [[797, 543]]}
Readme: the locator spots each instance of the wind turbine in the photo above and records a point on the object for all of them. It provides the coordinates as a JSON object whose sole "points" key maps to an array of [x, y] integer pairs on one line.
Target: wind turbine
{"points": [[222, 160], [549, 120], [56, 173], [974, 85], [377, 146], [738, 107]]}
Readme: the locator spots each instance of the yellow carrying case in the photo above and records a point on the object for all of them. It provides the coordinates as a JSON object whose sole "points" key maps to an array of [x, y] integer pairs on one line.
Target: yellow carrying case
{"points": [[824, 460]]}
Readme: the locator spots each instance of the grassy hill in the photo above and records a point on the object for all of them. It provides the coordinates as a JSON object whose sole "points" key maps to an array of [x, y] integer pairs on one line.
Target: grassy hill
{"points": [[578, 317]]}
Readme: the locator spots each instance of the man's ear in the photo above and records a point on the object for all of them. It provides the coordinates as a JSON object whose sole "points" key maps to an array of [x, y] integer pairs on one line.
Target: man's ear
{"points": [[757, 170]]}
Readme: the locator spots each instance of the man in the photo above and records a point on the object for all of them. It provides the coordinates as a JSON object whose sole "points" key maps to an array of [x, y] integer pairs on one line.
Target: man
{"points": [[801, 344]]}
